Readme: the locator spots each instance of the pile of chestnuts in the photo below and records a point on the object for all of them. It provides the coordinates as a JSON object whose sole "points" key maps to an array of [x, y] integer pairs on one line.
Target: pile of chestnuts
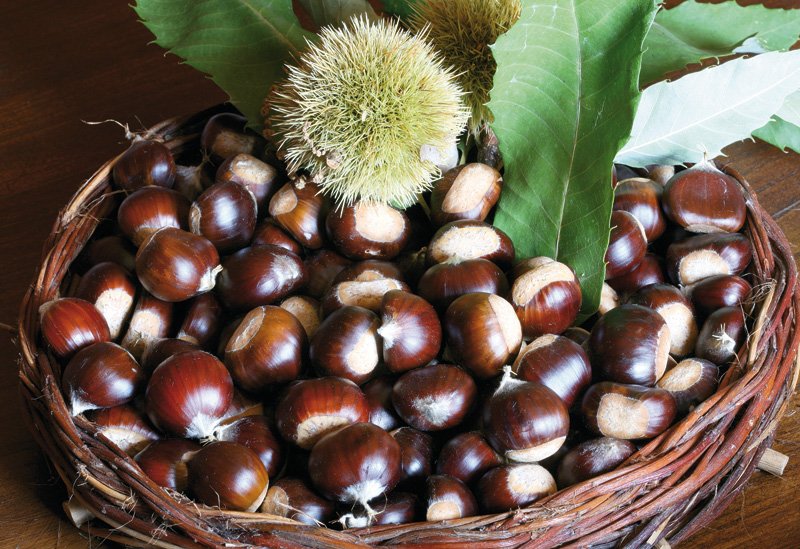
{"points": [[255, 348]]}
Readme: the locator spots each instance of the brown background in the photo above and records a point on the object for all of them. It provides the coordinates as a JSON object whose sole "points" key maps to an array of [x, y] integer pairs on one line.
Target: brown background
{"points": [[62, 63]]}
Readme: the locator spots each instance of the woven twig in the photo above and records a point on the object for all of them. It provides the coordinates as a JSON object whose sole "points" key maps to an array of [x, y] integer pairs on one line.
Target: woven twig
{"points": [[672, 487]]}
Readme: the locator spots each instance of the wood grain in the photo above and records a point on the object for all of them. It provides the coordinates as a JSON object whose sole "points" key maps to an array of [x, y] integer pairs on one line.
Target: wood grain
{"points": [[64, 64]]}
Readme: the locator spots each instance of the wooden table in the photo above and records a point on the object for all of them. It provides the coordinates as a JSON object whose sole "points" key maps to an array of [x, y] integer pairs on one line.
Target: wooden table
{"points": [[62, 66]]}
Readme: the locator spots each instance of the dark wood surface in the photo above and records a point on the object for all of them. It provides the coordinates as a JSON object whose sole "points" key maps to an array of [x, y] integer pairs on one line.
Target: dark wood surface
{"points": [[63, 64]]}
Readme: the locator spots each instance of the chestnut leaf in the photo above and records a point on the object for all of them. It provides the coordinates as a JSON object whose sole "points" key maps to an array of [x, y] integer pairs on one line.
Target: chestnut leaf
{"points": [[335, 12], [242, 45], [693, 31], [564, 98], [400, 8], [780, 133]]}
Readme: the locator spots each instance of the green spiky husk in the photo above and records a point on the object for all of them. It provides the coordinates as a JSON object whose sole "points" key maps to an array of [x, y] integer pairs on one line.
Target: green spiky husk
{"points": [[462, 31], [359, 107]]}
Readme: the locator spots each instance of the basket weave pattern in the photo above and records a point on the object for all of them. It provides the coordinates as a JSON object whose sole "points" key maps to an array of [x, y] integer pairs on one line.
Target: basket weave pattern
{"points": [[676, 484]]}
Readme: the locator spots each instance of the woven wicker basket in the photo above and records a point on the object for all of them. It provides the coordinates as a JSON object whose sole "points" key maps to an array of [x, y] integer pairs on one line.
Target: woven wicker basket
{"points": [[672, 487]]}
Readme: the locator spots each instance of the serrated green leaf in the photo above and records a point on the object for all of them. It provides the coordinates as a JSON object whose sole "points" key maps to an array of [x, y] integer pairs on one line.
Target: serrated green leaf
{"points": [[242, 44], [705, 111], [335, 12], [790, 110], [693, 31], [564, 97], [780, 133], [400, 8]]}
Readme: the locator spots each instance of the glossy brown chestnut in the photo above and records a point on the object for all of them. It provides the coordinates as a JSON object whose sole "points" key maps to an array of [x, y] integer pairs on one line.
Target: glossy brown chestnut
{"points": [[692, 259], [258, 177], [397, 508], [176, 265], [443, 283], [115, 249], [626, 246], [512, 486], [448, 498], [151, 320], [702, 199], [100, 376], [306, 310], [470, 239], [145, 163], [224, 135], [164, 461], [111, 288], [630, 344], [467, 457], [257, 433], [266, 349], [300, 208], [649, 271], [435, 397], [191, 180], [368, 230], [145, 211], [468, 191], [410, 330], [715, 292], [691, 381], [323, 266], [578, 335], [229, 476], [629, 412], [311, 408], [660, 173], [642, 198], [356, 464], [259, 275], [292, 498], [203, 321], [125, 426], [363, 285], [483, 333], [546, 297], [378, 392], [161, 349], [675, 309], [268, 232], [347, 344], [225, 214], [417, 455], [558, 363], [592, 458], [242, 405], [188, 394], [69, 324], [721, 336]]}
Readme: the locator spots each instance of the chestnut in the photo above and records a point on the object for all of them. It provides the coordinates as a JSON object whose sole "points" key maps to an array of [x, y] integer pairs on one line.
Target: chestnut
{"points": [[448, 498], [115, 249], [483, 333], [649, 271], [642, 198], [225, 214], [306, 310], [660, 173], [191, 180], [629, 412], [512, 486], [417, 455], [347, 344], [626, 246], [312, 408], [719, 291], [202, 321], [299, 207], [242, 405], [146, 162], [125, 426], [692, 259], [721, 336], [110, 288], [468, 191], [410, 331], [691, 381], [378, 392], [363, 285], [675, 309], [435, 397], [292, 498], [164, 461], [609, 299], [161, 349], [151, 320], [466, 457], [630, 344], [443, 283], [69, 324], [323, 266], [368, 230], [258, 177], [145, 211], [558, 363], [229, 476], [256, 432], [592, 458], [224, 135], [470, 239], [397, 508], [578, 335], [268, 232]]}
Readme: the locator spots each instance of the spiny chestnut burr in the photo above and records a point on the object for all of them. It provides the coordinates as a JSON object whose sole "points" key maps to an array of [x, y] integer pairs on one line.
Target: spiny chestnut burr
{"points": [[300, 208], [175, 265], [292, 498], [306, 310], [722, 334], [546, 297], [266, 349], [164, 461], [630, 344], [470, 239], [368, 230], [363, 285], [259, 275], [111, 288], [558, 363], [417, 455], [629, 412], [448, 498], [692, 259], [702, 199], [649, 271], [592, 458], [203, 321], [161, 349], [69, 324], [512, 486], [483, 333], [410, 330], [268, 232], [626, 246], [347, 344], [675, 309], [356, 464], [466, 457], [258, 177], [311, 408], [116, 249], [224, 135], [188, 394], [445, 282], [691, 381], [225, 214], [378, 392], [100, 376], [396, 508], [642, 198], [468, 191], [715, 292], [145, 211], [229, 476], [124, 426], [256, 433], [323, 266], [524, 421], [151, 320], [145, 163], [435, 397]]}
